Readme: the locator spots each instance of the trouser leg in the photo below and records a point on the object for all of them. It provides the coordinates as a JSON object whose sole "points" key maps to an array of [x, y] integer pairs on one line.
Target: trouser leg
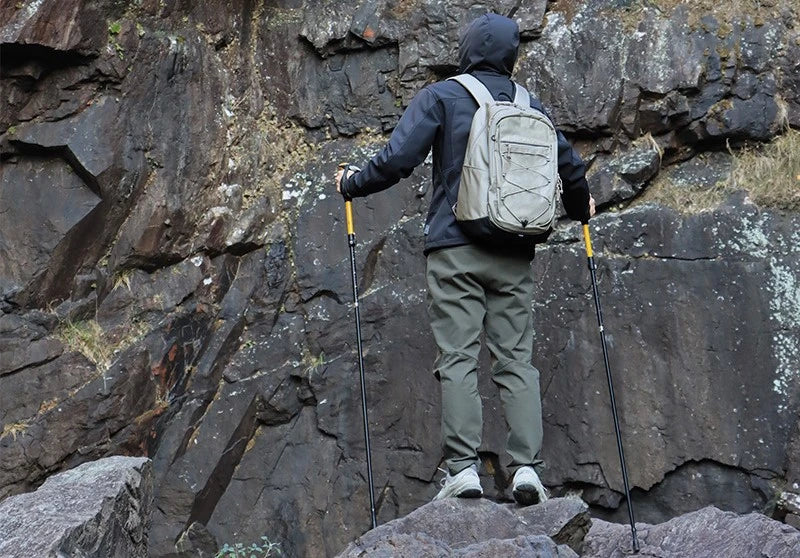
{"points": [[456, 309], [509, 336]]}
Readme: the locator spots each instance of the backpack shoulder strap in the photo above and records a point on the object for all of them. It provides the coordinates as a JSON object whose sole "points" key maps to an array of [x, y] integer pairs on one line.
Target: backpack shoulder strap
{"points": [[522, 98], [475, 88]]}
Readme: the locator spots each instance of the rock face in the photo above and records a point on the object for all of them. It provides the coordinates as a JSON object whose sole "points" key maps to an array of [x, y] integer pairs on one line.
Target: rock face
{"points": [[174, 275], [99, 509]]}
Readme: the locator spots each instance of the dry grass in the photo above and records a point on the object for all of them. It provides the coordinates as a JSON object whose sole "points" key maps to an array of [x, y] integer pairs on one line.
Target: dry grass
{"points": [[14, 429], [770, 173], [685, 199], [87, 338]]}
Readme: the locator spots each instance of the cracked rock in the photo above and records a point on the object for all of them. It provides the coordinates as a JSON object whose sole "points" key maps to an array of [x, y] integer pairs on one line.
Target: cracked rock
{"points": [[100, 509]]}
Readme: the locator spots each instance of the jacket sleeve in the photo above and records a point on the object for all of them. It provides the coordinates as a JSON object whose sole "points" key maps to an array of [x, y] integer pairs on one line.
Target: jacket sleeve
{"points": [[408, 146], [572, 171]]}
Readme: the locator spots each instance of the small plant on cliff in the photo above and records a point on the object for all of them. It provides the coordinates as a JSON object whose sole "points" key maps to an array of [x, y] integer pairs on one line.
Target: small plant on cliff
{"points": [[114, 29], [99, 346], [87, 338], [238, 550]]}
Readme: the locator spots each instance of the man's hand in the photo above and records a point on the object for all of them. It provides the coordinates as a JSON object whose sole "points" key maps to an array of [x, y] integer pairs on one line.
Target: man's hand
{"points": [[591, 206], [339, 175]]}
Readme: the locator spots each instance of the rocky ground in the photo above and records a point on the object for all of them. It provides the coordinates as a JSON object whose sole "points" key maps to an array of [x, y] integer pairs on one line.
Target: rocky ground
{"points": [[562, 528], [174, 275]]}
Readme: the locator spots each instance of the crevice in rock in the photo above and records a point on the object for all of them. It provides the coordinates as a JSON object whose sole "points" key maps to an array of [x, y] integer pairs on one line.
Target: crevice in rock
{"points": [[324, 293], [64, 153], [382, 496], [350, 43], [370, 265], [243, 248], [17, 54], [28, 366], [206, 500], [491, 463], [691, 485], [657, 257]]}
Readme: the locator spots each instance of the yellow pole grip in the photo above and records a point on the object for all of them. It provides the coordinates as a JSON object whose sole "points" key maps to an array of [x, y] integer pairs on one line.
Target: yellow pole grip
{"points": [[348, 209], [588, 240]]}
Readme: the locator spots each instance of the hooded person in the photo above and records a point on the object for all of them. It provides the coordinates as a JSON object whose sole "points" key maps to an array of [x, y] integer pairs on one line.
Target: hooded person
{"points": [[473, 287]]}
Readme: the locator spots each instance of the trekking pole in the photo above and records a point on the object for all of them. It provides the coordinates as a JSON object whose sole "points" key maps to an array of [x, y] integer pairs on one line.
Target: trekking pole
{"points": [[351, 240], [592, 270]]}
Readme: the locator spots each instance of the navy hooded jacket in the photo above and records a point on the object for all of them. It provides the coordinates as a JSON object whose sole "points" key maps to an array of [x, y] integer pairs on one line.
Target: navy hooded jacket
{"points": [[440, 117]]}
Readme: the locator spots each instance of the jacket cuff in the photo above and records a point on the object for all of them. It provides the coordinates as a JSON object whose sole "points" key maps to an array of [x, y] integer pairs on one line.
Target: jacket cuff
{"points": [[577, 204], [347, 187]]}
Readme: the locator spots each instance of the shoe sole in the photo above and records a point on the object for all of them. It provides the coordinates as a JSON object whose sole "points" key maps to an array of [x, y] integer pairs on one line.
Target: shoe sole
{"points": [[526, 495], [470, 493]]}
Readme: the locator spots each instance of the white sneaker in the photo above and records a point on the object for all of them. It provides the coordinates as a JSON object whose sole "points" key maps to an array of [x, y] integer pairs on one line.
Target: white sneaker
{"points": [[465, 484], [527, 487]]}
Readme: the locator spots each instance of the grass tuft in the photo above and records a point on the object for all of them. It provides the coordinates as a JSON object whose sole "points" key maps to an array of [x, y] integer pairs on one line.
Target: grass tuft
{"points": [[14, 429], [87, 338], [771, 172]]}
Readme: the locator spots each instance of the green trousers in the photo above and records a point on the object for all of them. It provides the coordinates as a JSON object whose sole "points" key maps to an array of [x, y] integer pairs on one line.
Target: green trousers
{"points": [[471, 290]]}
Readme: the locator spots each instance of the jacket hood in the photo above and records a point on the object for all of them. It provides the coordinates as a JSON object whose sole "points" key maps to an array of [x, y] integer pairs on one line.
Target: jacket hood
{"points": [[490, 43]]}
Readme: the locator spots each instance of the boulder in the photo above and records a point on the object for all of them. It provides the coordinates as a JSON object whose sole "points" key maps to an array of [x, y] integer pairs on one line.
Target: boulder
{"points": [[706, 532], [455, 527], [100, 509]]}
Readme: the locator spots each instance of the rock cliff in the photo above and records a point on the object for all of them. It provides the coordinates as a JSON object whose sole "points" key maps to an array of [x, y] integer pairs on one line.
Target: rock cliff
{"points": [[174, 276]]}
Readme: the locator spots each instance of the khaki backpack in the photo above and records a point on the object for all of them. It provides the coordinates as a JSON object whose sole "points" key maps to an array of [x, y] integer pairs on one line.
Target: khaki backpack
{"points": [[510, 176]]}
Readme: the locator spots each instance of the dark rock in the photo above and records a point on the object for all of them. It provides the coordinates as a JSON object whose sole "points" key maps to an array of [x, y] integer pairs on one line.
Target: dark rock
{"points": [[594, 75], [722, 258], [624, 176], [99, 509], [63, 26], [197, 541], [481, 528], [707, 532], [34, 193], [93, 415]]}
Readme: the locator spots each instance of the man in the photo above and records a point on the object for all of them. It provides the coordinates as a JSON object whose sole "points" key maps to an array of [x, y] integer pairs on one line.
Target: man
{"points": [[473, 287]]}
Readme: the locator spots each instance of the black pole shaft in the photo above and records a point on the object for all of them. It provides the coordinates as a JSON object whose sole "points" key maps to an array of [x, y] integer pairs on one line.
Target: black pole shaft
{"points": [[351, 240], [592, 270]]}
